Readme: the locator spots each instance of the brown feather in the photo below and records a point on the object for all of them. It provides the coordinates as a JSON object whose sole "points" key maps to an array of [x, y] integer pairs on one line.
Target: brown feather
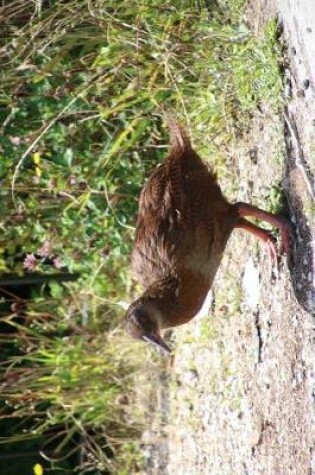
{"points": [[183, 225]]}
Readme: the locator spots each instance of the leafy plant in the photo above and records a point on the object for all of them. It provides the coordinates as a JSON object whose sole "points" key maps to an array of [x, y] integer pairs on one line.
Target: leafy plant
{"points": [[84, 89]]}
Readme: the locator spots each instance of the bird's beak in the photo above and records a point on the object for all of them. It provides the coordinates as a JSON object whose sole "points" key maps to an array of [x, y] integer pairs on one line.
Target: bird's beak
{"points": [[156, 340]]}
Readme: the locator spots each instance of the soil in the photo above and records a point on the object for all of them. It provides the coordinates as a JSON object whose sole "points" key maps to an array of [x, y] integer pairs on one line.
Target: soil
{"points": [[239, 396]]}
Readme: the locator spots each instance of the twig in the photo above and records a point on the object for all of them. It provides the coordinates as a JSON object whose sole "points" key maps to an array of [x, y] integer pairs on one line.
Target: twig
{"points": [[35, 142], [44, 131]]}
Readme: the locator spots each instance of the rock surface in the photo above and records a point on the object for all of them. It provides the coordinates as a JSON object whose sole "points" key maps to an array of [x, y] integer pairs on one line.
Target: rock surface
{"points": [[238, 399]]}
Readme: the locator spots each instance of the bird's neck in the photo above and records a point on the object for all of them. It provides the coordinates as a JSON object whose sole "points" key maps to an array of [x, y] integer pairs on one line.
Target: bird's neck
{"points": [[178, 299]]}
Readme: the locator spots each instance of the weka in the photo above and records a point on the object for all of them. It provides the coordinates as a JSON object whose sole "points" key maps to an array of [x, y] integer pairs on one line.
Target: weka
{"points": [[183, 226]]}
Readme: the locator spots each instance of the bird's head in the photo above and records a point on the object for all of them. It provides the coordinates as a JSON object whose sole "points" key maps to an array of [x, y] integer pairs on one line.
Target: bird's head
{"points": [[142, 323]]}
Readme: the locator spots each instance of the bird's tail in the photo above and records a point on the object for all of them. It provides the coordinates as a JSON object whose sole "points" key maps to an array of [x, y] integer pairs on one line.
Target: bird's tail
{"points": [[179, 140]]}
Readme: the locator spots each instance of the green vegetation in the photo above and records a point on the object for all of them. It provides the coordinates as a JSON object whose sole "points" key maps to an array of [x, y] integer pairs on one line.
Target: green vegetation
{"points": [[83, 89]]}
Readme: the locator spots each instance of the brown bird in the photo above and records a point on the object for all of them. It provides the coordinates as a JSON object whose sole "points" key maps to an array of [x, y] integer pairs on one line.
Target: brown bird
{"points": [[183, 226]]}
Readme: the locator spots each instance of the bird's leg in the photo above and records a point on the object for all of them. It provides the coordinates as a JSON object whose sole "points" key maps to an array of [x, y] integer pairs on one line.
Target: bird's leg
{"points": [[279, 222], [261, 234]]}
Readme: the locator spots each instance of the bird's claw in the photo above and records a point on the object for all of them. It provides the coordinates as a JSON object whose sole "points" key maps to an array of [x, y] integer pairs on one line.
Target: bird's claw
{"points": [[271, 250], [285, 242]]}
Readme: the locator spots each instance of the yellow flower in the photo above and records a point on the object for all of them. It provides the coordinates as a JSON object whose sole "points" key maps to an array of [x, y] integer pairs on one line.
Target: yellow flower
{"points": [[38, 172], [36, 158], [38, 469]]}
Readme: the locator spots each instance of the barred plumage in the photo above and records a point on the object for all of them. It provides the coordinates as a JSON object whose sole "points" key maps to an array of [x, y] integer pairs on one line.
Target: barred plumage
{"points": [[183, 226]]}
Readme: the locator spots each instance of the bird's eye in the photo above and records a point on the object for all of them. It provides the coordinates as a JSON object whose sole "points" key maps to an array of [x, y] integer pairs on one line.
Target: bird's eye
{"points": [[134, 319], [139, 317]]}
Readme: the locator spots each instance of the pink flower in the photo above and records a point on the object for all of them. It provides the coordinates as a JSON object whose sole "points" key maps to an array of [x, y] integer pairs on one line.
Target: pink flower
{"points": [[57, 262], [45, 250], [30, 262], [15, 140]]}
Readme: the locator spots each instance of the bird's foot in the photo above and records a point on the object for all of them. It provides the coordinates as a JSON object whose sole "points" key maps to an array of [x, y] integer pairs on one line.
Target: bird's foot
{"points": [[271, 249], [279, 222]]}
